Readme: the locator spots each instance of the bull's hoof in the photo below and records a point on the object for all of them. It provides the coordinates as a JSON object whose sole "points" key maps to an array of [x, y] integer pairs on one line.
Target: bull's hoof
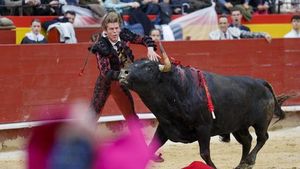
{"points": [[244, 166], [225, 138], [157, 158], [250, 160]]}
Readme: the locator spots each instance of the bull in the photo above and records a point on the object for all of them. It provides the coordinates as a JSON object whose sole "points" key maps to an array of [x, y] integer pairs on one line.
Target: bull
{"points": [[173, 93]]}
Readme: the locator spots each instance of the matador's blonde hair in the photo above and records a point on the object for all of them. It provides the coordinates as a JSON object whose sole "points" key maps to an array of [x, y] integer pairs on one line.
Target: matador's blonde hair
{"points": [[111, 17]]}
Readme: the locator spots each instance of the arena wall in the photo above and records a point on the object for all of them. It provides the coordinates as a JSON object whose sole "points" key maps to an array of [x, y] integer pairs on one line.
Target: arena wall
{"points": [[35, 79]]}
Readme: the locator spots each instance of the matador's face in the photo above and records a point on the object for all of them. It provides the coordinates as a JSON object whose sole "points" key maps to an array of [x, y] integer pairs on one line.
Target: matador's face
{"points": [[113, 31]]}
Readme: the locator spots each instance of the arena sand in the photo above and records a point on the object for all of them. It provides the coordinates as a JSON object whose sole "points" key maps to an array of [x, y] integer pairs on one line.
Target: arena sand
{"points": [[281, 151]]}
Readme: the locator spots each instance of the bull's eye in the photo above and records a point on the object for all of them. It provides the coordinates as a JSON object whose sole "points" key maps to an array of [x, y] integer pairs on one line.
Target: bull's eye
{"points": [[148, 69], [126, 72]]}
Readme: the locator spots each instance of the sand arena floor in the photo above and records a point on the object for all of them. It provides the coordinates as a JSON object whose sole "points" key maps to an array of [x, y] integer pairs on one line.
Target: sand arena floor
{"points": [[282, 151]]}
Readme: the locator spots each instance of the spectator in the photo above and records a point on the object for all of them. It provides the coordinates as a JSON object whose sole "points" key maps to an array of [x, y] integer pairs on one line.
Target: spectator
{"points": [[34, 36], [87, 11], [161, 8], [2, 8], [260, 6], [198, 4], [48, 7], [292, 5], [179, 6], [6, 23], [243, 5], [27, 6], [295, 32], [225, 32], [64, 25], [96, 6], [70, 15], [155, 35], [120, 7], [236, 18], [138, 21]]}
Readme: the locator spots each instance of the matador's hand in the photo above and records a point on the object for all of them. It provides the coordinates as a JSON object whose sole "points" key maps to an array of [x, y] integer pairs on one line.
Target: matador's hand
{"points": [[268, 38], [152, 55]]}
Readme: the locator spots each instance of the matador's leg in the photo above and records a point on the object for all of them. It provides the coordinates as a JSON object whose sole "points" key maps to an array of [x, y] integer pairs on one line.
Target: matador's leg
{"points": [[101, 93], [124, 100]]}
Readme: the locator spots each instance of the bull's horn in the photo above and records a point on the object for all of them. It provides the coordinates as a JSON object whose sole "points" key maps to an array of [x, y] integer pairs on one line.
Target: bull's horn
{"points": [[166, 66]]}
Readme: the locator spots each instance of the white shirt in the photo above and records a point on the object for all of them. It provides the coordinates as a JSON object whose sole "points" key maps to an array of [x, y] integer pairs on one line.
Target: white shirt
{"points": [[35, 37], [231, 33], [66, 31], [292, 34], [104, 34], [114, 44]]}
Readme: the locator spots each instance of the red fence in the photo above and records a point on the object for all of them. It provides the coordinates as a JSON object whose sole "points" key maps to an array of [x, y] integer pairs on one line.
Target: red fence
{"points": [[7, 36], [34, 77]]}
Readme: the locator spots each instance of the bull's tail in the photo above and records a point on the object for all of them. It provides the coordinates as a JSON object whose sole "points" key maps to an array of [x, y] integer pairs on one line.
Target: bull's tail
{"points": [[278, 102], [283, 97]]}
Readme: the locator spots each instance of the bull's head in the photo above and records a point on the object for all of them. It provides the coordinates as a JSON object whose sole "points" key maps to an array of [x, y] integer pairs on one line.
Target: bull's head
{"points": [[144, 73]]}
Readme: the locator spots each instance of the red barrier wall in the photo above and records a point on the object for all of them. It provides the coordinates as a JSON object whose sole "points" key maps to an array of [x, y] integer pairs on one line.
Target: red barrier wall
{"points": [[45, 76], [82, 34], [7, 36]]}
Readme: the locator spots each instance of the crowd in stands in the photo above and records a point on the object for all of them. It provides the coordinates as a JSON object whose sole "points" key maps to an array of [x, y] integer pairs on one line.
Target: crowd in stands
{"points": [[224, 32], [137, 12], [163, 8]]}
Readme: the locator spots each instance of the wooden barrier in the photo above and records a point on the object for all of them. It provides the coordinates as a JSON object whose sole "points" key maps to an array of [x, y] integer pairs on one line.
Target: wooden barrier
{"points": [[7, 36], [40, 77], [53, 36], [82, 34]]}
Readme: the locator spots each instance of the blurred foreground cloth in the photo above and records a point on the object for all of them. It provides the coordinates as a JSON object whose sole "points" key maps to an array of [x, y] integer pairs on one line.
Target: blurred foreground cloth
{"points": [[65, 145], [197, 165]]}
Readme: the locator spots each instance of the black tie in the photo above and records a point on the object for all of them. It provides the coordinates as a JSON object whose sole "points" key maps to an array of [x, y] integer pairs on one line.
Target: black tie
{"points": [[225, 35], [118, 45]]}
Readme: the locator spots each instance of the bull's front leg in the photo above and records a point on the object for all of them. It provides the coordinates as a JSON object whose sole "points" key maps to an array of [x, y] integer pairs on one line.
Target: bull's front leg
{"points": [[158, 140], [204, 144]]}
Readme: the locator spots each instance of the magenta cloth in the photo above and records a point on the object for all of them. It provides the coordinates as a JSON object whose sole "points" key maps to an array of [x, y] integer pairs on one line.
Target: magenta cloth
{"points": [[43, 137], [128, 152], [40, 145], [197, 165]]}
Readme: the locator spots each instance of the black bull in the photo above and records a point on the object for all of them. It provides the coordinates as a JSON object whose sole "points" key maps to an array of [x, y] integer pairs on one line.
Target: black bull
{"points": [[179, 103]]}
